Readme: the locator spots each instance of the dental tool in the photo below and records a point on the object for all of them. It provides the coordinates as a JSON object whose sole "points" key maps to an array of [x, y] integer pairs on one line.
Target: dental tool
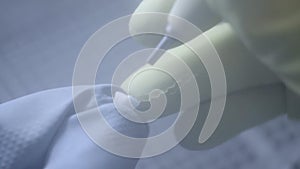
{"points": [[155, 55], [185, 9]]}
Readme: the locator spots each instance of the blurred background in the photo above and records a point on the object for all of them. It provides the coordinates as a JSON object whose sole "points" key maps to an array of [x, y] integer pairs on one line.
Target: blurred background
{"points": [[39, 44]]}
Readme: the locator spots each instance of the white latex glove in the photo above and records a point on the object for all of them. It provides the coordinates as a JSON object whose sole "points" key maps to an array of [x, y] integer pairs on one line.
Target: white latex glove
{"points": [[270, 29], [255, 93]]}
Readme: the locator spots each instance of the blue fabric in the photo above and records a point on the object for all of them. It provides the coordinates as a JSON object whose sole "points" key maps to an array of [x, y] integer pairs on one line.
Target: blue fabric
{"points": [[42, 131]]}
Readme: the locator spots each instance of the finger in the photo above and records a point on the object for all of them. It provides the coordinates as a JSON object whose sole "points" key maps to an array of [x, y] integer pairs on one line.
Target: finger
{"points": [[237, 61], [196, 12], [139, 23], [242, 70], [155, 6]]}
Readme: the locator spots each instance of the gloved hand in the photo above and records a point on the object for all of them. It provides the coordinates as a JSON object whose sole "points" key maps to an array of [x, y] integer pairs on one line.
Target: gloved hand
{"points": [[270, 29], [255, 93], [42, 131]]}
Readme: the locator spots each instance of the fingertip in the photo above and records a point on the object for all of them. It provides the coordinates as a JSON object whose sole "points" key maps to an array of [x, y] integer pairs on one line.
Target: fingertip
{"points": [[141, 20]]}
